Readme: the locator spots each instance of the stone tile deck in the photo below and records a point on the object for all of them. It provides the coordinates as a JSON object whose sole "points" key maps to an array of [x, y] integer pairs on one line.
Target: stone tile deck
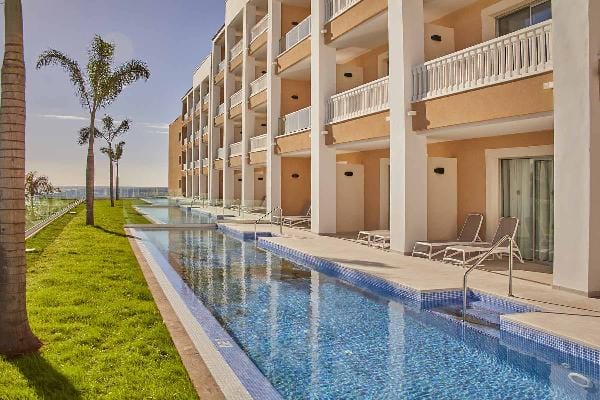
{"points": [[565, 314]]}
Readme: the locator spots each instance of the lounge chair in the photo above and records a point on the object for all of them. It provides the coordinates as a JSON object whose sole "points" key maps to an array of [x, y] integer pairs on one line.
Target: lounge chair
{"points": [[295, 220], [463, 255], [381, 240], [366, 237], [469, 233]]}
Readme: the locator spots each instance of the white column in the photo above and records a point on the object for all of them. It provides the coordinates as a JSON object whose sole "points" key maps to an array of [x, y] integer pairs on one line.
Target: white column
{"points": [[229, 83], [322, 162], [213, 137], [273, 173], [248, 119], [576, 51], [408, 152]]}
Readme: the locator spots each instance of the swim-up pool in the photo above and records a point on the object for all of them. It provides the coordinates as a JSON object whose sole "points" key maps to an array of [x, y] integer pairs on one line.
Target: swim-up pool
{"points": [[175, 215], [314, 336]]}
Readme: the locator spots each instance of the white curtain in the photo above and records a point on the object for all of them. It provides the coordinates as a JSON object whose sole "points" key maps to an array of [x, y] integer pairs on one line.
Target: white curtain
{"points": [[517, 195], [544, 210]]}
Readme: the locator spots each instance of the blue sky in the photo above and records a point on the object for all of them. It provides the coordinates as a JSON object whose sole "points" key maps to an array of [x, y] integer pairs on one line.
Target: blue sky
{"points": [[171, 36]]}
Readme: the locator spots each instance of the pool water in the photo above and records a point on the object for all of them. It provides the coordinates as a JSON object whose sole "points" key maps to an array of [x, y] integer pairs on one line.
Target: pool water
{"points": [[175, 215], [317, 337]]}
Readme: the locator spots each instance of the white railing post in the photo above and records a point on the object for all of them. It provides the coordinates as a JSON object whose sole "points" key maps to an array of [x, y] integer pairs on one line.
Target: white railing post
{"points": [[259, 28], [366, 99], [258, 85], [295, 122], [513, 56], [258, 143], [236, 98], [296, 35], [235, 149]]}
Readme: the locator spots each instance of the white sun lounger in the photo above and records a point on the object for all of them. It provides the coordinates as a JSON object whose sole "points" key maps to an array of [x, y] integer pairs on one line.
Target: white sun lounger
{"points": [[296, 220], [366, 237], [463, 255], [469, 233]]}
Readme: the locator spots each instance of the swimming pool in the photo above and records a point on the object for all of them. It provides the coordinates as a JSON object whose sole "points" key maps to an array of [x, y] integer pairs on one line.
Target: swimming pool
{"points": [[175, 215], [313, 336]]}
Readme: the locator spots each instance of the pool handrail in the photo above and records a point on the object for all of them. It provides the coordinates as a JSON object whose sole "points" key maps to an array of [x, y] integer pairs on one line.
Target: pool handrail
{"points": [[511, 245], [265, 216]]}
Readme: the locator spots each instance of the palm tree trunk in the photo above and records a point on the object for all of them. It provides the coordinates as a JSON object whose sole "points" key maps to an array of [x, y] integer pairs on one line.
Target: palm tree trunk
{"points": [[117, 180], [89, 174], [16, 337], [110, 174]]}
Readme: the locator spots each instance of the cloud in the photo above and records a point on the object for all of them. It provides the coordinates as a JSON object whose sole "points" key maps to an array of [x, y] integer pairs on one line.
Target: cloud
{"points": [[65, 117], [155, 128]]}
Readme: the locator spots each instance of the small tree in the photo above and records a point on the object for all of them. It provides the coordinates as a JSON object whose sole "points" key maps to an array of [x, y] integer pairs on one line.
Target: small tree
{"points": [[38, 185], [109, 133], [118, 153], [96, 89]]}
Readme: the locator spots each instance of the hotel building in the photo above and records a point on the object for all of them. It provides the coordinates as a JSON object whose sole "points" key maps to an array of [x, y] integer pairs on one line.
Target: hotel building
{"points": [[405, 115]]}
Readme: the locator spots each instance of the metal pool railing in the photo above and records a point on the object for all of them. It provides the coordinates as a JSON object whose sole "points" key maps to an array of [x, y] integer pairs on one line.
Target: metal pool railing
{"points": [[52, 217], [270, 213]]}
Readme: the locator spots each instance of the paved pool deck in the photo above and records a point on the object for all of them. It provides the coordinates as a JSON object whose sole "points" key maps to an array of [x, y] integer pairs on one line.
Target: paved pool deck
{"points": [[568, 315]]}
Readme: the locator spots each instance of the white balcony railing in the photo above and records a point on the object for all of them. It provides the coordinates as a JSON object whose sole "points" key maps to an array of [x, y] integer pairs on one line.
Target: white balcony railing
{"points": [[296, 35], [258, 143], [236, 50], [197, 107], [366, 99], [196, 163], [206, 98], [189, 165], [517, 55], [258, 85], [221, 109], [259, 28], [205, 129], [221, 66], [296, 122], [235, 149], [236, 98], [205, 162], [185, 116], [220, 153], [333, 8]]}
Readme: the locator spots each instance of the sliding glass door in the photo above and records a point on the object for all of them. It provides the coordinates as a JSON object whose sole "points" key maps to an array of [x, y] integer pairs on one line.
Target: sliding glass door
{"points": [[528, 194]]}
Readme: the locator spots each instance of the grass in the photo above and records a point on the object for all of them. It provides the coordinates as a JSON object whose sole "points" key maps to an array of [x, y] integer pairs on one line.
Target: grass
{"points": [[89, 304]]}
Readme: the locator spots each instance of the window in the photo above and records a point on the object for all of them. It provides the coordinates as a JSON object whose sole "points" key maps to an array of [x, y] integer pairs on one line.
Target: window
{"points": [[524, 17]]}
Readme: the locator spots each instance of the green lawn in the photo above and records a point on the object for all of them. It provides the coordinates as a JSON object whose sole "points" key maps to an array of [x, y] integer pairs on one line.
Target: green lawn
{"points": [[89, 304]]}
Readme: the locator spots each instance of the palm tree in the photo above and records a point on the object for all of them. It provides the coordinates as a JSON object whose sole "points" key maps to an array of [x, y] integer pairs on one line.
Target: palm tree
{"points": [[97, 88], [15, 334], [118, 153], [109, 133]]}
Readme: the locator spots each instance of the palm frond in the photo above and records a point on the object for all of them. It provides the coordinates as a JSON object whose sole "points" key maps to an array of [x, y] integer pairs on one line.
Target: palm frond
{"points": [[123, 127], [55, 57], [118, 153], [84, 135], [123, 76], [100, 58]]}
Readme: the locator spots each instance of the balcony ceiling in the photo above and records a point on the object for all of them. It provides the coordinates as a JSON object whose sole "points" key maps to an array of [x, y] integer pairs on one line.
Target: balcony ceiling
{"points": [[434, 9]]}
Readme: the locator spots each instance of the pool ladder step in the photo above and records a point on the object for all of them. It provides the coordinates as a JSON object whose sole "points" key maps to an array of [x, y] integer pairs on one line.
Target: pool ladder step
{"points": [[478, 313]]}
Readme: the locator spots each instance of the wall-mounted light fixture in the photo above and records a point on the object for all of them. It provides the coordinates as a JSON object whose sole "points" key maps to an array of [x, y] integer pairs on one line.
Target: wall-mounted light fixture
{"points": [[349, 173], [295, 97], [348, 74], [263, 124], [260, 178], [439, 170], [436, 38], [294, 23], [239, 179], [295, 176]]}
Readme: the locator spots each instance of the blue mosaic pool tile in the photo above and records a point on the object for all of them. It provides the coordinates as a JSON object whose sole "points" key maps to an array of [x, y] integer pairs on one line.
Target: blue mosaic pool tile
{"points": [[249, 375], [563, 345]]}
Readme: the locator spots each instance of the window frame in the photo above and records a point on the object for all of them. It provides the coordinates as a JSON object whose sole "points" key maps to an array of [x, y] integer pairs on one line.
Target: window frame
{"points": [[529, 6]]}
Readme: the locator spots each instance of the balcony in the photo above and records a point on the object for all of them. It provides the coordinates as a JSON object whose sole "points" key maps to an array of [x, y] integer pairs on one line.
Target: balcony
{"points": [[518, 55], [220, 153], [236, 98], [197, 107], [205, 130], [295, 122], [333, 8], [258, 143], [258, 85], [221, 66], [220, 109], [236, 50], [205, 162], [196, 163], [259, 28], [206, 98], [295, 36], [363, 100], [185, 116], [235, 149]]}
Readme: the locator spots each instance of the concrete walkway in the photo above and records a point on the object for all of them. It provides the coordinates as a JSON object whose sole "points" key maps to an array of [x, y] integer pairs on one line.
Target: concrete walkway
{"points": [[565, 314]]}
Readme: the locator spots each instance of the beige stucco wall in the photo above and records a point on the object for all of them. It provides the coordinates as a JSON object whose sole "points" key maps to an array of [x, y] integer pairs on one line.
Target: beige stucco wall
{"points": [[470, 155], [292, 143], [368, 62], [369, 127], [371, 161], [294, 55], [291, 88], [295, 192], [174, 171]]}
